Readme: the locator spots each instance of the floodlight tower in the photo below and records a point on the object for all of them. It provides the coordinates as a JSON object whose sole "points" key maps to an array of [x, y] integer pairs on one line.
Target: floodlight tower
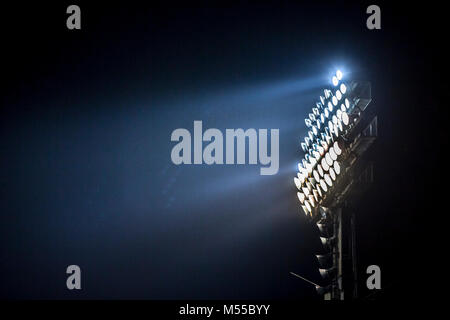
{"points": [[332, 171]]}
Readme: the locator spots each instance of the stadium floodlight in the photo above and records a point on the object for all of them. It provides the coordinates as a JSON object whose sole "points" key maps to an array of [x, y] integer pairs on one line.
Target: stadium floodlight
{"points": [[316, 175], [328, 180], [325, 228], [337, 167], [332, 154], [334, 119], [325, 260], [323, 290], [301, 196], [308, 207], [320, 170], [335, 80], [323, 145], [347, 103], [337, 148], [305, 191], [328, 159], [328, 242], [339, 131], [328, 273], [345, 118], [334, 100], [323, 185], [297, 182], [330, 107]]}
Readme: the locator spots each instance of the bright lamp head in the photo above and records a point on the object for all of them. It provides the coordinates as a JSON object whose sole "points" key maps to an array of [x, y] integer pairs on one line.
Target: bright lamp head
{"points": [[345, 118], [301, 197], [297, 182], [334, 100], [328, 180], [337, 167], [323, 185], [337, 148], [347, 103], [335, 81]]}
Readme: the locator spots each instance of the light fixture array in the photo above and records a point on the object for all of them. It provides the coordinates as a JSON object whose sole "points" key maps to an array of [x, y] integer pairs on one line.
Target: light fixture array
{"points": [[323, 145]]}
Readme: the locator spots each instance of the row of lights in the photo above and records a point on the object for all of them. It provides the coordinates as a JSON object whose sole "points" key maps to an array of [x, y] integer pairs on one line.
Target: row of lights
{"points": [[320, 166]]}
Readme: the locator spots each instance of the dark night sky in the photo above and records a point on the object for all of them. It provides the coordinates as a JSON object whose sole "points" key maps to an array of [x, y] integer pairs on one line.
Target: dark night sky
{"points": [[86, 118]]}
